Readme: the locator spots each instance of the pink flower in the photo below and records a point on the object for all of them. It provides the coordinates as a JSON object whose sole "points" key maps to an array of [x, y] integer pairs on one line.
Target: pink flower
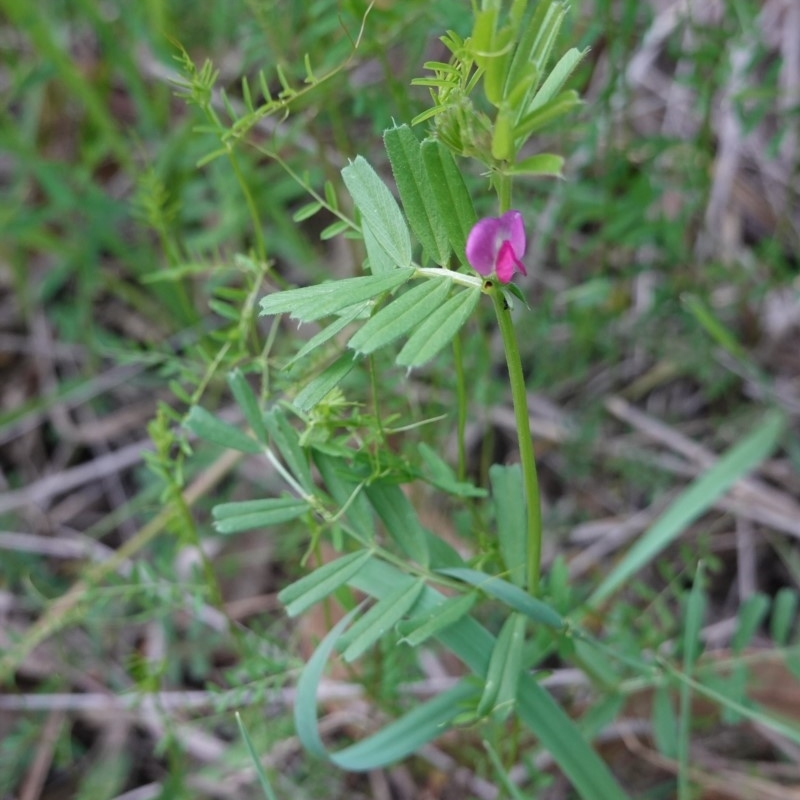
{"points": [[496, 244]]}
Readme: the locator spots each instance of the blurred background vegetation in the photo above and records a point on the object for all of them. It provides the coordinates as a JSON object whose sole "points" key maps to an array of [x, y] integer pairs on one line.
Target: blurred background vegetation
{"points": [[136, 236]]}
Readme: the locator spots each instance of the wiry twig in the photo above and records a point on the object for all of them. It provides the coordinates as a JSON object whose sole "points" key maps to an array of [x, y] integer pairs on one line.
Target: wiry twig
{"points": [[34, 781], [43, 490]]}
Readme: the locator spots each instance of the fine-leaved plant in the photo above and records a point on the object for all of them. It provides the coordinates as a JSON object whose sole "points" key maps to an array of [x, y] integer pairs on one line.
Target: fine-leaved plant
{"points": [[352, 478]]}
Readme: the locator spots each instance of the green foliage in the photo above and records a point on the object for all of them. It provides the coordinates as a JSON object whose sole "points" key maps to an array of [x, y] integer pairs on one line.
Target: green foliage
{"points": [[398, 515], [319, 584], [380, 215], [381, 618], [502, 678], [425, 215], [313, 302], [509, 513], [739, 460], [247, 515], [328, 445], [453, 202], [508, 54], [415, 630], [266, 786], [438, 329], [400, 316]]}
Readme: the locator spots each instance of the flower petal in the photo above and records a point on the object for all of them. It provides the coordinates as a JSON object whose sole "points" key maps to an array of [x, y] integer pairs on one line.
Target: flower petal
{"points": [[508, 263], [513, 229], [495, 245], [482, 244]]}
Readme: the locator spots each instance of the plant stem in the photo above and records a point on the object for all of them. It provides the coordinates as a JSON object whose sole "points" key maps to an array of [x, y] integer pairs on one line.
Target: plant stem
{"points": [[529, 477], [255, 217], [373, 382], [503, 187], [461, 394]]}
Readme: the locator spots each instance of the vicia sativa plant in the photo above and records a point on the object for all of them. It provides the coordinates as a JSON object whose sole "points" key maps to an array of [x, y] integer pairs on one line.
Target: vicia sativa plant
{"points": [[430, 261]]}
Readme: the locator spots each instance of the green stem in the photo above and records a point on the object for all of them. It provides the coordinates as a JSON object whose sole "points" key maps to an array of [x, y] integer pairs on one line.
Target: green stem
{"points": [[461, 395], [503, 186], [376, 407], [529, 477], [255, 217]]}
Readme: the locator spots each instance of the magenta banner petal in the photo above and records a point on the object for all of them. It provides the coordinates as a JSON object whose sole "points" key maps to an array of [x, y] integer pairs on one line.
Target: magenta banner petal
{"points": [[481, 250], [496, 245], [514, 230]]}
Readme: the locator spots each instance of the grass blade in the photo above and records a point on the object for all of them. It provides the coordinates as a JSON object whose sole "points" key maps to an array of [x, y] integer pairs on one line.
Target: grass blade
{"points": [[695, 610], [262, 776], [513, 792], [696, 499]]}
